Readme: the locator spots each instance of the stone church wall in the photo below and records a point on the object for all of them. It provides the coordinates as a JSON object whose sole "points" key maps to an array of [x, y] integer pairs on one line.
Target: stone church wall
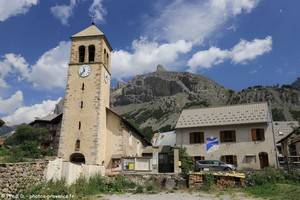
{"points": [[17, 176]]}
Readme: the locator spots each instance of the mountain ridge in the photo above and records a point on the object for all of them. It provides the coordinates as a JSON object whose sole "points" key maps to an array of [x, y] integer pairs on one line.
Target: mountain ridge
{"points": [[154, 101]]}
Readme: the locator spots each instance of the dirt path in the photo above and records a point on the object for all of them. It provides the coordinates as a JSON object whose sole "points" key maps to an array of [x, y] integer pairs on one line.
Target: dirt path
{"points": [[176, 196]]}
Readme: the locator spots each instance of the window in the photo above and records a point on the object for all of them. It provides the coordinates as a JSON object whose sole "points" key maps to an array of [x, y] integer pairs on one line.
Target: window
{"points": [[229, 159], [258, 134], [250, 159], [196, 137], [81, 53], [82, 86], [227, 136], [107, 59], [81, 104], [77, 145], [91, 53], [79, 125], [197, 158]]}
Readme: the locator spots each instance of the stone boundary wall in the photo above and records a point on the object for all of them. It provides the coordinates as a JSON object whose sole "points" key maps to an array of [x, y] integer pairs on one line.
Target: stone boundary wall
{"points": [[164, 180], [15, 177]]}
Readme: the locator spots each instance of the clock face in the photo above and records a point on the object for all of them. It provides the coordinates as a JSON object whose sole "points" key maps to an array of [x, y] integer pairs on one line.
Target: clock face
{"points": [[84, 70]]}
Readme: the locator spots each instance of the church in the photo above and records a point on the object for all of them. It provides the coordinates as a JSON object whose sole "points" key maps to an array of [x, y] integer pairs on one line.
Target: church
{"points": [[92, 135]]}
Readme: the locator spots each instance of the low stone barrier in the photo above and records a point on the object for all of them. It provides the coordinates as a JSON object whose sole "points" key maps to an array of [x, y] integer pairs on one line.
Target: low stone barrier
{"points": [[15, 177], [167, 181]]}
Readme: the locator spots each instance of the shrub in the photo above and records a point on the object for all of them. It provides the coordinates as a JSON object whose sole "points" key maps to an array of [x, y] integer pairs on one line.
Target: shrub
{"points": [[139, 189], [83, 187], [271, 175], [209, 181], [187, 163], [49, 188]]}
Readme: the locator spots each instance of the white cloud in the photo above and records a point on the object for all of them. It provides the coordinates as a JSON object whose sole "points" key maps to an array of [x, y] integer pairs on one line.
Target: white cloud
{"points": [[63, 12], [50, 71], [12, 64], [9, 105], [208, 58], [9, 8], [145, 56], [244, 50], [27, 114], [195, 20], [97, 11], [241, 53]]}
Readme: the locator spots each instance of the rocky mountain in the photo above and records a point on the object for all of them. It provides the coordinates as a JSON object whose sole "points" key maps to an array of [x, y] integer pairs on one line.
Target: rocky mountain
{"points": [[6, 130], [154, 101], [296, 84]]}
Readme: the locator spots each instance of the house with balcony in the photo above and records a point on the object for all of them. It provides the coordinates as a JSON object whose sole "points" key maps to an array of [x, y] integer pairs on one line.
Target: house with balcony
{"points": [[239, 134]]}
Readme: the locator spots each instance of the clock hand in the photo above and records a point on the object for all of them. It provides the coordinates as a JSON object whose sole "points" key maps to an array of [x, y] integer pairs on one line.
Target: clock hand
{"points": [[82, 71]]}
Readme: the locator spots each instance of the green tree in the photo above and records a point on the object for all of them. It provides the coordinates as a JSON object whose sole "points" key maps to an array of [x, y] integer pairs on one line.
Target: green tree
{"points": [[1, 122], [26, 133], [27, 142], [295, 114], [278, 115], [187, 163]]}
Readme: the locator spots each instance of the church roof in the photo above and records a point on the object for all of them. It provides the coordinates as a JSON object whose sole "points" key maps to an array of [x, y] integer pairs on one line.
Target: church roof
{"points": [[92, 30]]}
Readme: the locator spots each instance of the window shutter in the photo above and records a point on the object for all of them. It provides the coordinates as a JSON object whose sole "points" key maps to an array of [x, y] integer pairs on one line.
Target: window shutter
{"points": [[201, 137], [262, 134], [223, 158], [253, 134], [234, 136], [191, 138], [235, 160], [222, 136]]}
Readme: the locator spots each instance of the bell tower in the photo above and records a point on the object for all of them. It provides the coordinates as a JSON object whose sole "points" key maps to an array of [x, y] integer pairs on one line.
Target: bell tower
{"points": [[83, 132]]}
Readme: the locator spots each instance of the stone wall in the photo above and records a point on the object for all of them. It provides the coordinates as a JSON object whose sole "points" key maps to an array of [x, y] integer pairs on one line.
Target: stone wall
{"points": [[167, 180], [15, 177]]}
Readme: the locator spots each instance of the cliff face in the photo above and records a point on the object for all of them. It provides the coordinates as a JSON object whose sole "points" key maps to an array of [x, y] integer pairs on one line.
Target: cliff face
{"points": [[155, 100]]}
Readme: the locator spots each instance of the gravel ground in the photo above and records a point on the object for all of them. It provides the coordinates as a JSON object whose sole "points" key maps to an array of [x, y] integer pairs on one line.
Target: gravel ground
{"points": [[176, 196]]}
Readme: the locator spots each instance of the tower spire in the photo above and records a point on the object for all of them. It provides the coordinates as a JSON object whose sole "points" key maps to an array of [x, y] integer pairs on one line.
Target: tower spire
{"points": [[93, 19]]}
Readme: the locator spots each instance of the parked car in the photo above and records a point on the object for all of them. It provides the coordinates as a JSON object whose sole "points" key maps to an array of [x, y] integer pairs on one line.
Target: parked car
{"points": [[214, 165]]}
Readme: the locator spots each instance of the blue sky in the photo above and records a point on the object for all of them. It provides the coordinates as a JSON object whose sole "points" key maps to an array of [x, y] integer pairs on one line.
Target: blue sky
{"points": [[236, 43]]}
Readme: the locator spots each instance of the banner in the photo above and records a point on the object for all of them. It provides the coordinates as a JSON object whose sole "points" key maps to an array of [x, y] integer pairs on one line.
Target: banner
{"points": [[212, 144]]}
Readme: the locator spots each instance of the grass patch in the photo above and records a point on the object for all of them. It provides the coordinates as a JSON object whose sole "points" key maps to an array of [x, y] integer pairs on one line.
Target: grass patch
{"points": [[274, 184], [83, 187], [275, 191]]}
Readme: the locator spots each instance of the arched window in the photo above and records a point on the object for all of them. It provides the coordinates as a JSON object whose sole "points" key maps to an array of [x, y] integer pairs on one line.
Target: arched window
{"points": [[81, 53], [77, 145], [91, 53], [81, 104], [79, 125], [82, 86]]}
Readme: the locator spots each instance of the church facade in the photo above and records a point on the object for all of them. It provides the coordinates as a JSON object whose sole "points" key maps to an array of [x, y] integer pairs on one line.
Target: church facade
{"points": [[91, 133]]}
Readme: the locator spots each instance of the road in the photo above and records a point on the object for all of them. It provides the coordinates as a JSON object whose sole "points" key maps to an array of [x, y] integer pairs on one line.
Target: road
{"points": [[177, 196]]}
